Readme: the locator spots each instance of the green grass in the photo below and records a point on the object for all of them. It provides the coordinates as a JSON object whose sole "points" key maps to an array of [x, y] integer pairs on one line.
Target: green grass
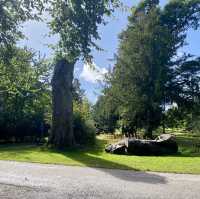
{"points": [[187, 161]]}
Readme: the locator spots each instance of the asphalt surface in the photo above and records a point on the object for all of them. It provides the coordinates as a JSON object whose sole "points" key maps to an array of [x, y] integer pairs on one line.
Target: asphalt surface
{"points": [[37, 181]]}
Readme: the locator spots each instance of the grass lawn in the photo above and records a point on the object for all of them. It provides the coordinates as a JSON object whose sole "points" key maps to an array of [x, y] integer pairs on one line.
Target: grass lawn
{"points": [[187, 161]]}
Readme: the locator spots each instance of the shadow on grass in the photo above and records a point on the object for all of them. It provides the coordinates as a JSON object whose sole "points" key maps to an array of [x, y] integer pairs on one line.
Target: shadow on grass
{"points": [[94, 157]]}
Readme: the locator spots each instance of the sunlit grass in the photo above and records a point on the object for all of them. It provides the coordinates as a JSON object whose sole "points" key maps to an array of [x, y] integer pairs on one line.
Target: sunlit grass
{"points": [[186, 161]]}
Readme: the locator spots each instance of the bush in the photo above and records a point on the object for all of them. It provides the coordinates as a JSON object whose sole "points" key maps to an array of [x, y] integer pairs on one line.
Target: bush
{"points": [[31, 128], [84, 130]]}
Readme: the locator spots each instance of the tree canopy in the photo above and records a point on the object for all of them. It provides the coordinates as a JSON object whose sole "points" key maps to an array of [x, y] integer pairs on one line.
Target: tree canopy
{"points": [[13, 14], [77, 22]]}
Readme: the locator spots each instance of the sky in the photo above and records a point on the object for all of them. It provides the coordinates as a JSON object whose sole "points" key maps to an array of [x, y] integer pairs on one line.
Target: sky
{"points": [[37, 38]]}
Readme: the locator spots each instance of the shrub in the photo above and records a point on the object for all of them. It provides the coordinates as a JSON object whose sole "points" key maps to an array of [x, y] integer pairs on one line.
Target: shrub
{"points": [[84, 130], [29, 128]]}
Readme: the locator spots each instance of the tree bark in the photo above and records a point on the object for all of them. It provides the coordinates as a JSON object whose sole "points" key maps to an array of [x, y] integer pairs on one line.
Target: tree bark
{"points": [[62, 119]]}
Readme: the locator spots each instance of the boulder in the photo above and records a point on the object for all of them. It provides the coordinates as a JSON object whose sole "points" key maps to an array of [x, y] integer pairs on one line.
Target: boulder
{"points": [[163, 145], [117, 148]]}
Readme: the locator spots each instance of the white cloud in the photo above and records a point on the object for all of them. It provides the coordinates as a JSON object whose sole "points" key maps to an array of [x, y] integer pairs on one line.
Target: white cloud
{"points": [[180, 54], [93, 73]]}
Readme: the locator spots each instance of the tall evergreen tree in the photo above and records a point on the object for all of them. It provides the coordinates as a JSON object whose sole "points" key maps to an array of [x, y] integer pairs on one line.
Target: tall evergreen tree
{"points": [[139, 67], [145, 76]]}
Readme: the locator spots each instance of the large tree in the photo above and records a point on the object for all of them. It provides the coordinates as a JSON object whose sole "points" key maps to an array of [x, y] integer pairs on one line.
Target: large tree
{"points": [[76, 22], [145, 77], [139, 68]]}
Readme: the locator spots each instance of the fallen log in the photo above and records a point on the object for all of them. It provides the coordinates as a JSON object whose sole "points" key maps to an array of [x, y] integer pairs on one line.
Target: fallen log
{"points": [[163, 145]]}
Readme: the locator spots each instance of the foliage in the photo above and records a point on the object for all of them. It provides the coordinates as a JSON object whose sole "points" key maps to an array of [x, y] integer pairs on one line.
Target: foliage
{"points": [[136, 78], [148, 74], [84, 130], [196, 125], [104, 115], [13, 14], [175, 118], [77, 22], [77, 92], [24, 94]]}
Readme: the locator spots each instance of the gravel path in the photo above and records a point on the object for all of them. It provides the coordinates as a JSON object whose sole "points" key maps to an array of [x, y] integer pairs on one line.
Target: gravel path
{"points": [[37, 181]]}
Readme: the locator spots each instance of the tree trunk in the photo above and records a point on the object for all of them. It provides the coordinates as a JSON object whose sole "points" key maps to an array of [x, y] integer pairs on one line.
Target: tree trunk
{"points": [[62, 119], [148, 133]]}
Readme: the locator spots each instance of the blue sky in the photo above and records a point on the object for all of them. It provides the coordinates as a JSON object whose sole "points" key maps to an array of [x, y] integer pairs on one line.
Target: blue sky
{"points": [[37, 39]]}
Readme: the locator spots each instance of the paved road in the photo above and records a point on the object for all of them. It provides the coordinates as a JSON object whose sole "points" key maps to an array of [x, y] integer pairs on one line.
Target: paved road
{"points": [[36, 181]]}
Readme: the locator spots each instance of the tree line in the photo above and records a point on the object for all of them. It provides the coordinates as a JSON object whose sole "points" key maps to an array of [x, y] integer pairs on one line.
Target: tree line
{"points": [[148, 75], [152, 85]]}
